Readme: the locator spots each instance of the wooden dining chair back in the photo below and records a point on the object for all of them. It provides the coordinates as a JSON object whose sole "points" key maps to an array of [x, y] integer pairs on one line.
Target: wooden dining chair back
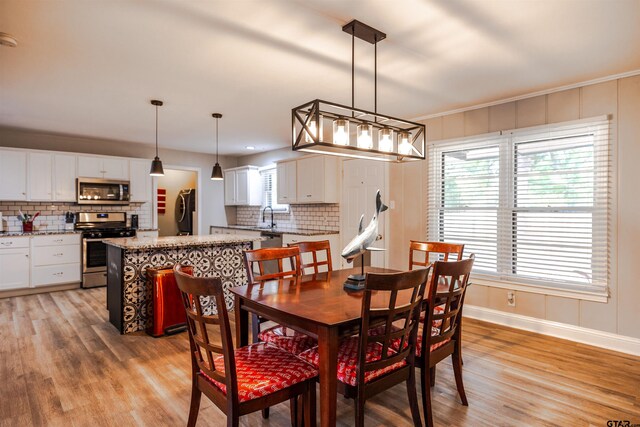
{"points": [[391, 307], [315, 249], [441, 332], [257, 259], [405, 313], [213, 365], [433, 251]]}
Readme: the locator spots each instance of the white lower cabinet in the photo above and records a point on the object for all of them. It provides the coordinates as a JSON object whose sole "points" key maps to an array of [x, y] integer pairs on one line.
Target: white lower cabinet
{"points": [[14, 263], [54, 255], [28, 262], [221, 230], [55, 274], [226, 230], [55, 259], [147, 234]]}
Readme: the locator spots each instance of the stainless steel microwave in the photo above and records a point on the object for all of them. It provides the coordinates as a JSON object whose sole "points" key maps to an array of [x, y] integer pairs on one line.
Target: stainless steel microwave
{"points": [[97, 191]]}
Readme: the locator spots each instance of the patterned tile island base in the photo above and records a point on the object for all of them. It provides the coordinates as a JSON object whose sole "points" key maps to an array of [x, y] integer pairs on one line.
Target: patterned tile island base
{"points": [[129, 296]]}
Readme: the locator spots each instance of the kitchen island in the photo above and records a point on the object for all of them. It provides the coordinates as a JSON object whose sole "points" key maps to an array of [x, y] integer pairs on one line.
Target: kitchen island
{"points": [[129, 295]]}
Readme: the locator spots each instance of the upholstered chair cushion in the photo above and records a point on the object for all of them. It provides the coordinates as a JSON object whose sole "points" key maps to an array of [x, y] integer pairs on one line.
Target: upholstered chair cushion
{"points": [[348, 359], [287, 339], [263, 369]]}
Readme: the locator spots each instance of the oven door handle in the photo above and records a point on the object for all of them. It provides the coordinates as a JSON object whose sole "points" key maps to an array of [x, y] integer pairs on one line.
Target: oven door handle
{"points": [[92, 240]]}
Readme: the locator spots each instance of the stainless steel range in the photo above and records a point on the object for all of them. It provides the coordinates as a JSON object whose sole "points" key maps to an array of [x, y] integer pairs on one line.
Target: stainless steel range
{"points": [[95, 227]]}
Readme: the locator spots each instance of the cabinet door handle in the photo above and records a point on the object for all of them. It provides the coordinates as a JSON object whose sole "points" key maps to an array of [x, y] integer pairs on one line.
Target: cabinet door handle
{"points": [[58, 240], [7, 243], [59, 254], [308, 195]]}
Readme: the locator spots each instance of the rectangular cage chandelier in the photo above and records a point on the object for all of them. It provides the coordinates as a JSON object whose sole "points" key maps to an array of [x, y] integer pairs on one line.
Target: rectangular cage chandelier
{"points": [[328, 128]]}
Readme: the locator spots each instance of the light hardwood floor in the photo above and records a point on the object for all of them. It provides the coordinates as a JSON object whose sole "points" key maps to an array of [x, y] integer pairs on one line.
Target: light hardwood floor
{"points": [[63, 364]]}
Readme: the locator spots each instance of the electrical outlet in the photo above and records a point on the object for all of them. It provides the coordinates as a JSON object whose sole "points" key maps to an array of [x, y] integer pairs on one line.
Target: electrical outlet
{"points": [[511, 298]]}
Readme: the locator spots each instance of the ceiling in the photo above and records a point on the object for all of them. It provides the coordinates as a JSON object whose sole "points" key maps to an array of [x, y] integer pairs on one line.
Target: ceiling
{"points": [[90, 68]]}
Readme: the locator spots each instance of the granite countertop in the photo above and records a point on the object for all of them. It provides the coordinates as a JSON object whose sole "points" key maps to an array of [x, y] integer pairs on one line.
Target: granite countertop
{"points": [[36, 233], [146, 229], [178, 241], [281, 230]]}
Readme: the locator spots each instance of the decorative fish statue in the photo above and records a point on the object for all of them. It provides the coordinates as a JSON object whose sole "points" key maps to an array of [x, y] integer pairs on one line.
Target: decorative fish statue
{"points": [[365, 238]]}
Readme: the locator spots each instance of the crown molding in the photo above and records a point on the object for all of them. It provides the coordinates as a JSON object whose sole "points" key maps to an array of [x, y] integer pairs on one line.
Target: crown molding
{"points": [[532, 94]]}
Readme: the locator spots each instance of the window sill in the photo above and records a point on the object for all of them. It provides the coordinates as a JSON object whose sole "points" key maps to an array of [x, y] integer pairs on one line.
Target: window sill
{"points": [[584, 295]]}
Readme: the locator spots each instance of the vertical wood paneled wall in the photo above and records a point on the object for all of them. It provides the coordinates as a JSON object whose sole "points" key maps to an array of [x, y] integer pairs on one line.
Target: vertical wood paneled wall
{"points": [[618, 98]]}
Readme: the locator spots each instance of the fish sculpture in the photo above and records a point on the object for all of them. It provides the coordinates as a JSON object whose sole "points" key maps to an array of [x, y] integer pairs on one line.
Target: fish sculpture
{"points": [[365, 238]]}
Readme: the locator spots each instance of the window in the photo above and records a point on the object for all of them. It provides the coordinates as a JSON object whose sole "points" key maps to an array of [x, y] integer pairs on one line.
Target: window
{"points": [[532, 204], [270, 189]]}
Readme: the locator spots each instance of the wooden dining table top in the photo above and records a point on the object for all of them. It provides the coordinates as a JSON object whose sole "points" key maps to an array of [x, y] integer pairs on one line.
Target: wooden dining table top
{"points": [[319, 297]]}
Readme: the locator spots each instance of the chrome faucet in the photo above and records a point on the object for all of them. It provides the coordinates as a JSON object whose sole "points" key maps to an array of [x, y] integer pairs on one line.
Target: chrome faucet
{"points": [[273, 224]]}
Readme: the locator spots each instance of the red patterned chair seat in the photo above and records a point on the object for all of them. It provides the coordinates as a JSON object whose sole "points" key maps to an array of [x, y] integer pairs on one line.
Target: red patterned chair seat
{"points": [[348, 360], [287, 339], [438, 310], [396, 343], [263, 369]]}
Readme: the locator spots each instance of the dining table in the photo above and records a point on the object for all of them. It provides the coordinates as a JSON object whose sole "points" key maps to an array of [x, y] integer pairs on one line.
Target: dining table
{"points": [[317, 305]]}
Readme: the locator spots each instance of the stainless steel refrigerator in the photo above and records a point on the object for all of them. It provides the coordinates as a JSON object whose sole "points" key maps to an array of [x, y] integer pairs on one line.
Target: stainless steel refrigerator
{"points": [[185, 207]]}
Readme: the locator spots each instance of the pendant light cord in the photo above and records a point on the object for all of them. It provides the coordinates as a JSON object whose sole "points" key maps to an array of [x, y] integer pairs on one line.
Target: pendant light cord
{"points": [[353, 67], [375, 76], [156, 131], [216, 140]]}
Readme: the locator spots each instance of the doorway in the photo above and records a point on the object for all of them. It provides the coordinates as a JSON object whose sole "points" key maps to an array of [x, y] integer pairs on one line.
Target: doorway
{"points": [[360, 181], [176, 203]]}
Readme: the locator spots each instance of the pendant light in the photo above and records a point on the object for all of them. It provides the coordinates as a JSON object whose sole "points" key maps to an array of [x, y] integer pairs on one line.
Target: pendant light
{"points": [[156, 164], [357, 133], [216, 174]]}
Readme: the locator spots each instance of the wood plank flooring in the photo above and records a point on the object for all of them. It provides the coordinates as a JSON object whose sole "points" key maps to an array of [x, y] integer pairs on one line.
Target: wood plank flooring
{"points": [[63, 364]]}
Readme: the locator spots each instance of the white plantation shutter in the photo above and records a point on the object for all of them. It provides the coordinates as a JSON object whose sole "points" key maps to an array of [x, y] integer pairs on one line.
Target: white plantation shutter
{"points": [[532, 204]]}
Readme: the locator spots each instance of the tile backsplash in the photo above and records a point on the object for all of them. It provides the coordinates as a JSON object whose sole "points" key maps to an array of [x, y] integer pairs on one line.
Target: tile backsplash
{"points": [[52, 213], [324, 217]]}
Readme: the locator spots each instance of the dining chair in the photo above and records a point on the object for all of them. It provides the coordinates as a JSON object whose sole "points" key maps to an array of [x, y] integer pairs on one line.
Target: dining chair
{"points": [[435, 343], [281, 336], [286, 338], [315, 249], [441, 251], [367, 363], [429, 253], [242, 380]]}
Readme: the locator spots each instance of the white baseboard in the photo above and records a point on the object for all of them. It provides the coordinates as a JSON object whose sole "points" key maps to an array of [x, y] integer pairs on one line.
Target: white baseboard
{"points": [[579, 334]]}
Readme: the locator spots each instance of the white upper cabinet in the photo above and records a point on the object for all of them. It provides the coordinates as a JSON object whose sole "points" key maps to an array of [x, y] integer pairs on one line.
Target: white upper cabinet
{"points": [[230, 187], [286, 178], [140, 181], [242, 186], [64, 177], [115, 168], [317, 180], [13, 175], [103, 167], [90, 167], [40, 174]]}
